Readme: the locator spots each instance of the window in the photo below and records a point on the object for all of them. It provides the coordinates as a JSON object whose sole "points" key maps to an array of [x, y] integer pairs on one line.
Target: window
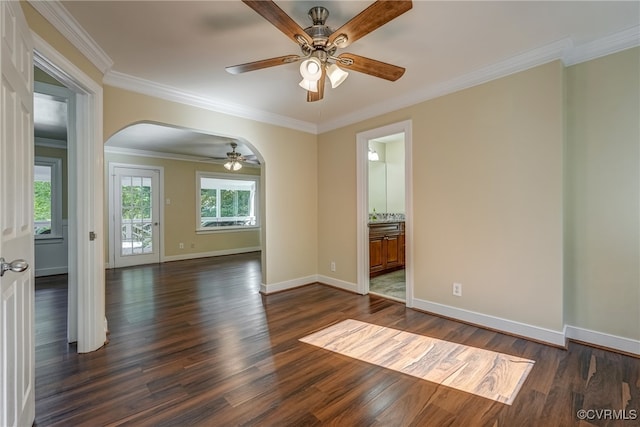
{"points": [[226, 201], [47, 197]]}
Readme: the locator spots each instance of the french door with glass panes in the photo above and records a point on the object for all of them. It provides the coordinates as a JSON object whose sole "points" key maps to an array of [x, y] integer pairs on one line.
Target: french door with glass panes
{"points": [[136, 216]]}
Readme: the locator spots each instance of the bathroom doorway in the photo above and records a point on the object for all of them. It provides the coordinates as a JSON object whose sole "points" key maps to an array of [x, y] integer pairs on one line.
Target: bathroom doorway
{"points": [[386, 222], [384, 212]]}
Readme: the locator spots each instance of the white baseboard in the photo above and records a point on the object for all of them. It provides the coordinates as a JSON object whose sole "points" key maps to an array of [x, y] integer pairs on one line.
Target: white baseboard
{"points": [[602, 339], [287, 284], [496, 323], [302, 281], [51, 271], [234, 251], [183, 257], [337, 283]]}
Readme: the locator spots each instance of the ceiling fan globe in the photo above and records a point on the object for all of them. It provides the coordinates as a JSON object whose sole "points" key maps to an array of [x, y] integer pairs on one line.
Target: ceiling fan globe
{"points": [[311, 69]]}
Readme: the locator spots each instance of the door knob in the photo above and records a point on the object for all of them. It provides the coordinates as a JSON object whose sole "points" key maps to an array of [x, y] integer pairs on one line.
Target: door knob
{"points": [[16, 266]]}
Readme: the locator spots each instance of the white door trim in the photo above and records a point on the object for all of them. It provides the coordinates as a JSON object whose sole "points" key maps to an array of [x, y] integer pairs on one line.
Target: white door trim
{"points": [[112, 203], [86, 257], [362, 186]]}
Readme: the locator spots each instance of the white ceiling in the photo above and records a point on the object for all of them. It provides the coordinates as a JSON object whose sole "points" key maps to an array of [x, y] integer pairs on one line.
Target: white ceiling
{"points": [[176, 143], [186, 45]]}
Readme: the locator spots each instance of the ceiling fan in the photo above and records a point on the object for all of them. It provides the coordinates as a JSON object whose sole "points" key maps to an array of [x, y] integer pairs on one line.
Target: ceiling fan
{"points": [[318, 44], [234, 159]]}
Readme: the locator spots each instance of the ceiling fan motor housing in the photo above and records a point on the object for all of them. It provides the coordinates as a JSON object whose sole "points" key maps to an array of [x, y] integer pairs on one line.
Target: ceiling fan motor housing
{"points": [[319, 32]]}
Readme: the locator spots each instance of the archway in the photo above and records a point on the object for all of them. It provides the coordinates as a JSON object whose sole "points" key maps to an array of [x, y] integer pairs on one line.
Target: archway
{"points": [[186, 160]]}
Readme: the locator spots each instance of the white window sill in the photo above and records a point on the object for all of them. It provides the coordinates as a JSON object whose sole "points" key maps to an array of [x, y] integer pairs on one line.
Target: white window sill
{"points": [[228, 229]]}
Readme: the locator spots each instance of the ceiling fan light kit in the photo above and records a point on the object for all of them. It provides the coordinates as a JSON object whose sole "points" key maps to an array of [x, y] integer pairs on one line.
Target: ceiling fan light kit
{"points": [[310, 85], [319, 43], [336, 75], [311, 69], [234, 159], [233, 165]]}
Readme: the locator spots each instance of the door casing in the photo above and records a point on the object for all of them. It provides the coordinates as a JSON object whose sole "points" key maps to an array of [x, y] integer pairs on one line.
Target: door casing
{"points": [[86, 318]]}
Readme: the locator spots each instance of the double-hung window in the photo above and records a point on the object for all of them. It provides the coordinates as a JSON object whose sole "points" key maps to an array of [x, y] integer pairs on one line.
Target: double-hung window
{"points": [[47, 197], [227, 201]]}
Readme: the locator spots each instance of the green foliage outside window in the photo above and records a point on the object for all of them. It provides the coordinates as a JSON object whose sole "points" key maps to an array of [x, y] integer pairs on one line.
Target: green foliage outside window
{"points": [[208, 198], [235, 203], [136, 202], [42, 201], [226, 202]]}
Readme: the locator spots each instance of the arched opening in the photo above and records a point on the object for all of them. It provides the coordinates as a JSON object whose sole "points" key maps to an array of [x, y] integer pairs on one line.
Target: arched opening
{"points": [[170, 196]]}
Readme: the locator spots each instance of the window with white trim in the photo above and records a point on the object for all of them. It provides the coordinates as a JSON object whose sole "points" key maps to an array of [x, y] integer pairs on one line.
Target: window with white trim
{"points": [[47, 197], [226, 201]]}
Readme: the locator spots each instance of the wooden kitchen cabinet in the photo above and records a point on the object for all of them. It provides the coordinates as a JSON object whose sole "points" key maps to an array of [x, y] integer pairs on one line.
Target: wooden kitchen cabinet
{"points": [[386, 247]]}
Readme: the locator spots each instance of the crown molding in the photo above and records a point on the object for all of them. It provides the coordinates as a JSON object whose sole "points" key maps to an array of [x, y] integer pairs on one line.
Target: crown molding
{"points": [[50, 143], [147, 87], [512, 65], [563, 50], [613, 43], [54, 12], [168, 156]]}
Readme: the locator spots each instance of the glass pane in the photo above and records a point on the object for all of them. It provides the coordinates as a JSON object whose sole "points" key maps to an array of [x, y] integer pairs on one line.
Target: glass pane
{"points": [[208, 208], [228, 206], [136, 215], [42, 202], [244, 203], [227, 202]]}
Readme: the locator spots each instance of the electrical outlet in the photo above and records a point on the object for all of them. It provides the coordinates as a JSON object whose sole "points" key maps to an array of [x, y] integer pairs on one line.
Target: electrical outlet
{"points": [[457, 289], [333, 266], [181, 245]]}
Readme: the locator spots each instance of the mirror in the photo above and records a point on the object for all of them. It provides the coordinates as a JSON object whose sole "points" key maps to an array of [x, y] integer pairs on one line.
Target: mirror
{"points": [[386, 177]]}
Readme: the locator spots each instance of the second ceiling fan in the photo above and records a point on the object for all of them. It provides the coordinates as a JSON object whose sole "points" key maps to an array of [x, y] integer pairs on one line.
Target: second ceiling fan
{"points": [[319, 44]]}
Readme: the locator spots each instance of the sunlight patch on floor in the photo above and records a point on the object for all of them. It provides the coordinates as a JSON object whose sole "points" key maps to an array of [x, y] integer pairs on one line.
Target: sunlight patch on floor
{"points": [[485, 373]]}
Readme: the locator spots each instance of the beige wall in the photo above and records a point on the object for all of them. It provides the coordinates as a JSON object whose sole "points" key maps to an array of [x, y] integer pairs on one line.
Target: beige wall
{"points": [[289, 174], [487, 197], [488, 190], [179, 222], [603, 203]]}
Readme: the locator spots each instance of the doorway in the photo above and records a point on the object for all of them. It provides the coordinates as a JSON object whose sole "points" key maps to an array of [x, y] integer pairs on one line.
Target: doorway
{"points": [[135, 194], [385, 243], [52, 103], [86, 307], [387, 216]]}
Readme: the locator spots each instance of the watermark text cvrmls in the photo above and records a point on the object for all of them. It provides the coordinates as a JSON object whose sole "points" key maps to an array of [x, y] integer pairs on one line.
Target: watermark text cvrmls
{"points": [[607, 414]]}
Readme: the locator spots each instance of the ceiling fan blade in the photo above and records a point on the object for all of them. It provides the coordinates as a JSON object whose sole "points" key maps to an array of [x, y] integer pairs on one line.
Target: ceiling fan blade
{"points": [[277, 17], [265, 63], [373, 17], [317, 96], [371, 67]]}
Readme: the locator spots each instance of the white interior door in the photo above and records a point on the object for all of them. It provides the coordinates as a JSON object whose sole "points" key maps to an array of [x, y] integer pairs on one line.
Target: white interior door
{"points": [[17, 365], [136, 216]]}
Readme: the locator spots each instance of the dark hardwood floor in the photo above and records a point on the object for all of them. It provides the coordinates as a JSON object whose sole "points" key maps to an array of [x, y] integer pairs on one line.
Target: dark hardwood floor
{"points": [[194, 343]]}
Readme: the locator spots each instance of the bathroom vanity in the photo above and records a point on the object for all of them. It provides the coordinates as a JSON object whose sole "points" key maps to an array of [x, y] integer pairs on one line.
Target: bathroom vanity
{"points": [[386, 247]]}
